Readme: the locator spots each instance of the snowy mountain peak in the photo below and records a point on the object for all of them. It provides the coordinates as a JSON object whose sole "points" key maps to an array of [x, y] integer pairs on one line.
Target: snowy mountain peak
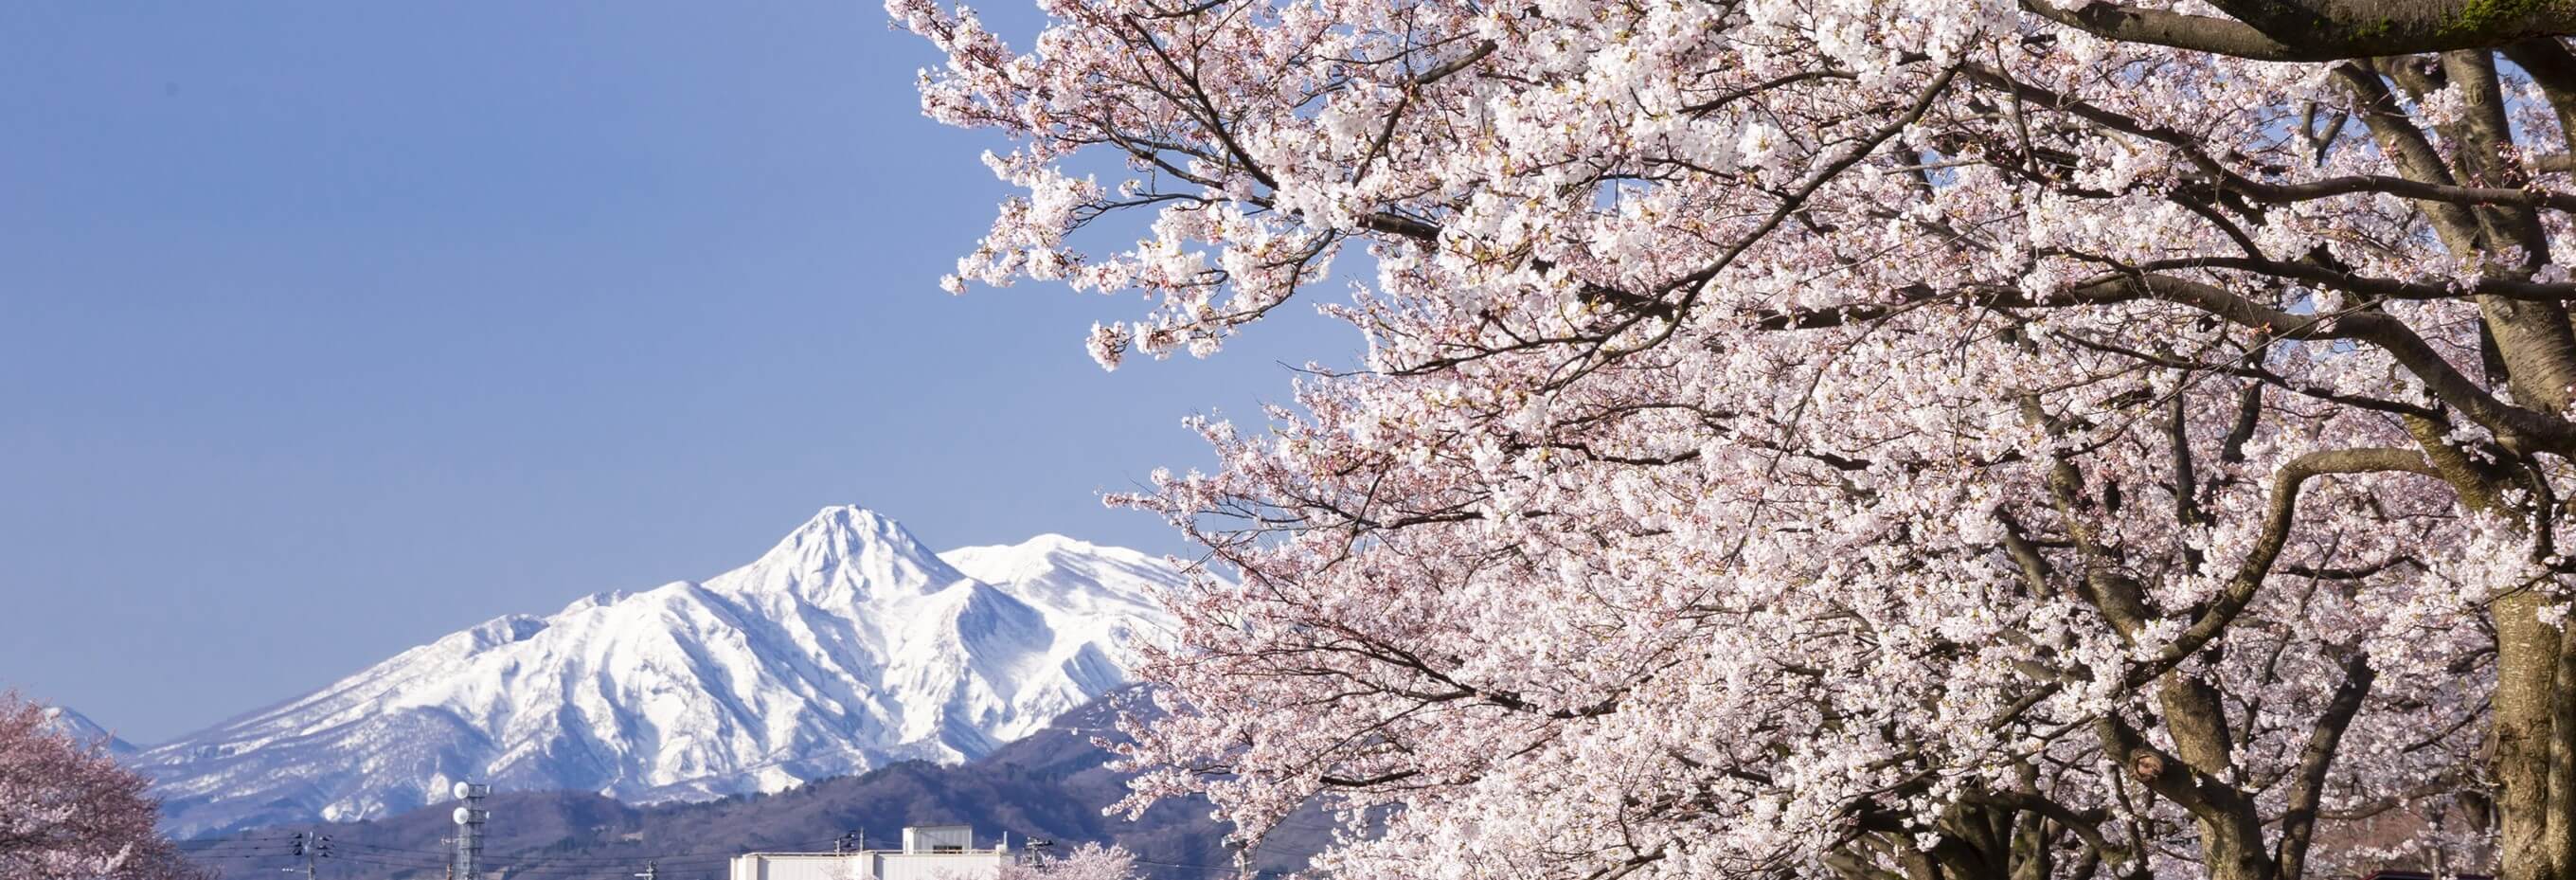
{"points": [[849, 527], [846, 646], [1055, 541], [844, 554], [85, 731]]}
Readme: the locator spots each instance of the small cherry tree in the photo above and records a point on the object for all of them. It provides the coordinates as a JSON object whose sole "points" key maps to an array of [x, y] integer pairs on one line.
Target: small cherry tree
{"points": [[2055, 438], [70, 812], [1090, 861]]}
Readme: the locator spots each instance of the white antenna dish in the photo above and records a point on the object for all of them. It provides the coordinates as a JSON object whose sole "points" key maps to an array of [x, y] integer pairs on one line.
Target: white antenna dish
{"points": [[464, 790], [463, 815]]}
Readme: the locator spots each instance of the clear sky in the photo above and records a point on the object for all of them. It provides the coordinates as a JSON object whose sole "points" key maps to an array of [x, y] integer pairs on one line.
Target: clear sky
{"points": [[327, 330]]}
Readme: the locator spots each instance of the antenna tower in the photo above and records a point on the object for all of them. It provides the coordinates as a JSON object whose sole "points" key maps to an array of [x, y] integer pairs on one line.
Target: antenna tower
{"points": [[469, 831]]}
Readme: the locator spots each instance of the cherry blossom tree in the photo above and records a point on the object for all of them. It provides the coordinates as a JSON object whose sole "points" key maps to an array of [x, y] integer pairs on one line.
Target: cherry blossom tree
{"points": [[1090, 861], [69, 812], [2061, 438]]}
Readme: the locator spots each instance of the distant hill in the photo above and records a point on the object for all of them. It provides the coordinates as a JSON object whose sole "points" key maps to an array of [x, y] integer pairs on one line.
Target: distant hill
{"points": [[1049, 785]]}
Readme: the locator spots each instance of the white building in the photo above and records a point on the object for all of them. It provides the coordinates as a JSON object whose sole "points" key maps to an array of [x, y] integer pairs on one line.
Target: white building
{"points": [[930, 852]]}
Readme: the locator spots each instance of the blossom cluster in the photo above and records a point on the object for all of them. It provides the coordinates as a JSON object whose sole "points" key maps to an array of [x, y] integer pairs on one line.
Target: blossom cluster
{"points": [[1817, 437]]}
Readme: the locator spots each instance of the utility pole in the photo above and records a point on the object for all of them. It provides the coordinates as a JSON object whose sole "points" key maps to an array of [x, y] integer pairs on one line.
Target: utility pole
{"points": [[309, 847], [652, 871]]}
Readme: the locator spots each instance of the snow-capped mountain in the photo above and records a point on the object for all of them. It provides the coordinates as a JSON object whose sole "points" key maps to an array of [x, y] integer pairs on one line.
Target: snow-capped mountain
{"points": [[1071, 580], [845, 647], [85, 731]]}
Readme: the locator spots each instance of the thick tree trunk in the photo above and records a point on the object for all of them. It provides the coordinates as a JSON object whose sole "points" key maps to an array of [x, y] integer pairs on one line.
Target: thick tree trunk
{"points": [[2560, 831], [2231, 832], [2531, 767], [2536, 781], [2527, 652]]}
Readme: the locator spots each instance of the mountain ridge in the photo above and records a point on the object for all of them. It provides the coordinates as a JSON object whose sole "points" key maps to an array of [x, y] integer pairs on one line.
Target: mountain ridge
{"points": [[847, 646]]}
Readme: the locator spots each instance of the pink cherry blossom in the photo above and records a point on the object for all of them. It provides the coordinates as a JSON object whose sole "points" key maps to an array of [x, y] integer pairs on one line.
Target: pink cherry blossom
{"points": [[1090, 861], [70, 812], [1857, 439]]}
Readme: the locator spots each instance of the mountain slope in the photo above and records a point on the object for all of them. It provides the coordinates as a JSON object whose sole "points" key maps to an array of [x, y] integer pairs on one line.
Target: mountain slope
{"points": [[1098, 595], [846, 647]]}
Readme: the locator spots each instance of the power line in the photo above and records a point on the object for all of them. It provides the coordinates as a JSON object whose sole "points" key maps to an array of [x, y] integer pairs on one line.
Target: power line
{"points": [[524, 864], [1225, 868], [256, 850], [556, 867], [542, 864], [542, 857]]}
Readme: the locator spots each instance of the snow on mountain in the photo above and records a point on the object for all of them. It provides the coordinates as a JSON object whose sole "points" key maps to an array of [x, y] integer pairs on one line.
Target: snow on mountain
{"points": [[845, 647], [1100, 592], [85, 731], [1072, 576]]}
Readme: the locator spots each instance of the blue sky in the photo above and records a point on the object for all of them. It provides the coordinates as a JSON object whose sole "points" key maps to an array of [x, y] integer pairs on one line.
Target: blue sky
{"points": [[326, 330]]}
